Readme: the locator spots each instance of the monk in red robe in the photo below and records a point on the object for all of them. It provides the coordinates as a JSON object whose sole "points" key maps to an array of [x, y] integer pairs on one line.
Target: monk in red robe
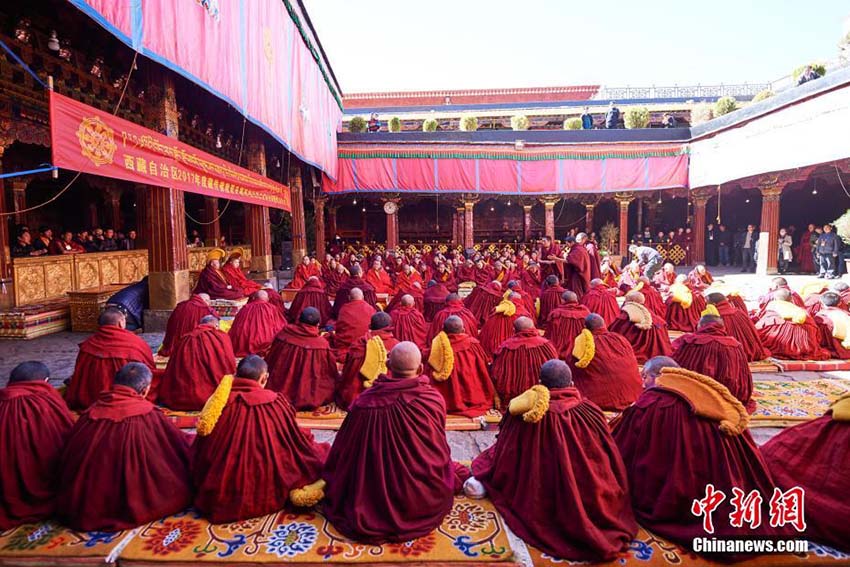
{"points": [[302, 365], [389, 474], [125, 464], [565, 323], [554, 446], [434, 299], [776, 285], [379, 279], [532, 279], [414, 291], [406, 278], [601, 299], [483, 299], [466, 272], [352, 323], [408, 323], [198, 364], [444, 276], [550, 298], [604, 366], [812, 294], [333, 277], [646, 332], [307, 269], [630, 278], [256, 326], [212, 280], [609, 276], [815, 456], [343, 292], [549, 253], [683, 306], [712, 352], [454, 306], [457, 366], [664, 278], [527, 300], [499, 326], [232, 270], [737, 324], [312, 294], [592, 254], [685, 432], [834, 326], [517, 360], [35, 423], [788, 331], [185, 317], [699, 279], [483, 273], [652, 298], [577, 266], [366, 359], [102, 355], [843, 290], [251, 458]]}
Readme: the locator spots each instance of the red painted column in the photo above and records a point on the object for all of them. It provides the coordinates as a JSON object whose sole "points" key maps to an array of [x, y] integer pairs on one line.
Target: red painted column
{"points": [[391, 210], [700, 200], [770, 195], [588, 217], [549, 218], [468, 225], [461, 215], [624, 200], [299, 230], [319, 210], [257, 223]]}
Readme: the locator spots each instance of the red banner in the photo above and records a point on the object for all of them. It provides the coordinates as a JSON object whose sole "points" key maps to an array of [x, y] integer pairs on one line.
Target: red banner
{"points": [[92, 141]]}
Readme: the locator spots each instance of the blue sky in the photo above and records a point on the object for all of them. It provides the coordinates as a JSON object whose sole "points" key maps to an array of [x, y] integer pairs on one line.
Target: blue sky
{"points": [[384, 45]]}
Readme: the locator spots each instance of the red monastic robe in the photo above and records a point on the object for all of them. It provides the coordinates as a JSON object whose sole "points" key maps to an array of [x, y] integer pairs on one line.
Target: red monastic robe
{"points": [[602, 301], [825, 332], [254, 457], [517, 362], [214, 283], [549, 269], [663, 280], [768, 297], [304, 273], [125, 464], [593, 256], [739, 326], [333, 280], [653, 301], [646, 343], [237, 279], [312, 294], [185, 317], [789, 340], [569, 456], [564, 325], [550, 299], [679, 318], [468, 390], [345, 288], [577, 270], [352, 323], [405, 281], [415, 293], [198, 364], [255, 327], [34, 426], [302, 366], [482, 300], [380, 280], [409, 325], [611, 380], [498, 328], [101, 356], [434, 299], [456, 307], [699, 282], [531, 282], [351, 384]]}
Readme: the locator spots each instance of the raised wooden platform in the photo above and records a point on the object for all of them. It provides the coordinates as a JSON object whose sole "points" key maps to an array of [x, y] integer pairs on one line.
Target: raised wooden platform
{"points": [[33, 321]]}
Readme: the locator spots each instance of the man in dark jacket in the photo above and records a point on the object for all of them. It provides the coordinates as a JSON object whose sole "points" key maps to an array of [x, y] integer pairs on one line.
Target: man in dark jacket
{"points": [[724, 244], [746, 241], [586, 119], [829, 246], [612, 117]]}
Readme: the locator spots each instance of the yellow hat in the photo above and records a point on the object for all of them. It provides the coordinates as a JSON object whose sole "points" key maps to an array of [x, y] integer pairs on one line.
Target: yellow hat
{"points": [[216, 254], [235, 253]]}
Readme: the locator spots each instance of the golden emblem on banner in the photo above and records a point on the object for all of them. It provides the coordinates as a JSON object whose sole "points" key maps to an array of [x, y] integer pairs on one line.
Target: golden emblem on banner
{"points": [[97, 141]]}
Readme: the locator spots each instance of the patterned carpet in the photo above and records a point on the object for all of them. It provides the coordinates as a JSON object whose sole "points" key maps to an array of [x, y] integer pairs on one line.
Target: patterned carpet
{"points": [[785, 403]]}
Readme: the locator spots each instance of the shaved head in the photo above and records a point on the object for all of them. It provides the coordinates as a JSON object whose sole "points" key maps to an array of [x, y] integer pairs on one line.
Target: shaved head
{"points": [[261, 295], [205, 297], [596, 282], [112, 316], [252, 367], [355, 270], [356, 294], [453, 325], [594, 322], [551, 280], [652, 369], [30, 371], [569, 297], [310, 316], [840, 286], [782, 294], [715, 297], [523, 324], [407, 300], [706, 320], [134, 375], [514, 296], [635, 297], [556, 374], [405, 360], [380, 320], [778, 282], [830, 299]]}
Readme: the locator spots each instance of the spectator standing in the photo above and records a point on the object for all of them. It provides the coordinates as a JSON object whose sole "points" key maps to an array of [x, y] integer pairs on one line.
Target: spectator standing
{"points": [[786, 253], [612, 117], [668, 121], [829, 246], [747, 242], [586, 119], [808, 74]]}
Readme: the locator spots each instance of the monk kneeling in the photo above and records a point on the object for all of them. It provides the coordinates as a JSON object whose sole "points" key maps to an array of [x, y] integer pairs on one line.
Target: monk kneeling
{"points": [[184, 319], [739, 326], [352, 323], [256, 325], [555, 447], [408, 322], [251, 457], [516, 361], [646, 332], [834, 326], [788, 331], [125, 464], [565, 323]]}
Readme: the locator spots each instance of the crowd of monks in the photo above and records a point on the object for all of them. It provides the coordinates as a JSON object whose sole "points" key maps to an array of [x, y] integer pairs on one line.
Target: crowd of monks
{"points": [[552, 339]]}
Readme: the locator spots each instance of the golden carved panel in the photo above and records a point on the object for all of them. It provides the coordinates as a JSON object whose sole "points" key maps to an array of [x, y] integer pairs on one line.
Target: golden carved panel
{"points": [[29, 284], [88, 272], [197, 259], [58, 279], [132, 268], [109, 271]]}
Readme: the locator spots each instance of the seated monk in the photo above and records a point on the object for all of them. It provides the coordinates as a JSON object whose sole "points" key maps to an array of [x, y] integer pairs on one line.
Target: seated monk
{"points": [[434, 299], [833, 324], [843, 290], [406, 278], [343, 293], [389, 474], [550, 298], [352, 323], [532, 280], [125, 464], [483, 273], [609, 275], [457, 366], [684, 432], [788, 331], [517, 359], [565, 323], [307, 269], [527, 300], [379, 279], [454, 306], [712, 352], [366, 359], [683, 307], [815, 456], [408, 322], [102, 355], [601, 299], [629, 279], [302, 365], [256, 325], [699, 279], [778, 284], [212, 280], [184, 319], [646, 332], [414, 291], [604, 367], [333, 277], [483, 299], [811, 294], [499, 326], [737, 324], [198, 364], [35, 423], [311, 294], [251, 458], [236, 277], [652, 298], [554, 442], [664, 278]]}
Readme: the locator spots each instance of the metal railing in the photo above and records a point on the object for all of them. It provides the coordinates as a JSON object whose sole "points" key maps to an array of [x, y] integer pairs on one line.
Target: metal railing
{"points": [[695, 92]]}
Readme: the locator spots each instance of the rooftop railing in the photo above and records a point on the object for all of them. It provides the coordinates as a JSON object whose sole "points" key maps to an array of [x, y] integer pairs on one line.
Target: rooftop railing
{"points": [[696, 92]]}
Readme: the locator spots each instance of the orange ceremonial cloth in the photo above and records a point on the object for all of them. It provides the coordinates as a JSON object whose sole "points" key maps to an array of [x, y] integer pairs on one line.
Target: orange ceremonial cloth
{"points": [[602, 300], [517, 362], [312, 294], [409, 325], [646, 343], [351, 384], [468, 390], [380, 280], [214, 283], [185, 317], [304, 273], [302, 366], [101, 356], [255, 327], [352, 323], [454, 307], [789, 340], [611, 380], [738, 325], [564, 325], [550, 299]]}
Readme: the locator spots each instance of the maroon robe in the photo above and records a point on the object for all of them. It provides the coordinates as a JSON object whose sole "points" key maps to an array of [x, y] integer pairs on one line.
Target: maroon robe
{"points": [[254, 457], [214, 283], [434, 299], [333, 279], [531, 282], [663, 280], [352, 323], [788, 340], [680, 319], [528, 301], [351, 383], [577, 270], [302, 367], [738, 303], [827, 341], [710, 351], [468, 390], [647, 343], [739, 326], [344, 290], [653, 301], [379, 280], [768, 297], [699, 282], [198, 364], [569, 456], [816, 457], [311, 294], [517, 362], [409, 325], [185, 317], [602, 301], [611, 380], [415, 293], [125, 464], [101, 356], [456, 307], [237, 279], [564, 325], [483, 275], [34, 426], [390, 475], [255, 327], [554, 268], [482, 300], [550, 299], [498, 328], [304, 273], [593, 256]]}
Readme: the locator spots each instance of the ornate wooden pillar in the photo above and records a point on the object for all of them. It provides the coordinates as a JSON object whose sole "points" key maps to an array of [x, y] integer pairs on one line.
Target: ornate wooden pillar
{"points": [[19, 199], [299, 229], [526, 223], [212, 228], [771, 191], [113, 208], [391, 210], [319, 214], [589, 202], [699, 197], [461, 231], [624, 199], [468, 224], [332, 222], [257, 223], [7, 293], [549, 216]]}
